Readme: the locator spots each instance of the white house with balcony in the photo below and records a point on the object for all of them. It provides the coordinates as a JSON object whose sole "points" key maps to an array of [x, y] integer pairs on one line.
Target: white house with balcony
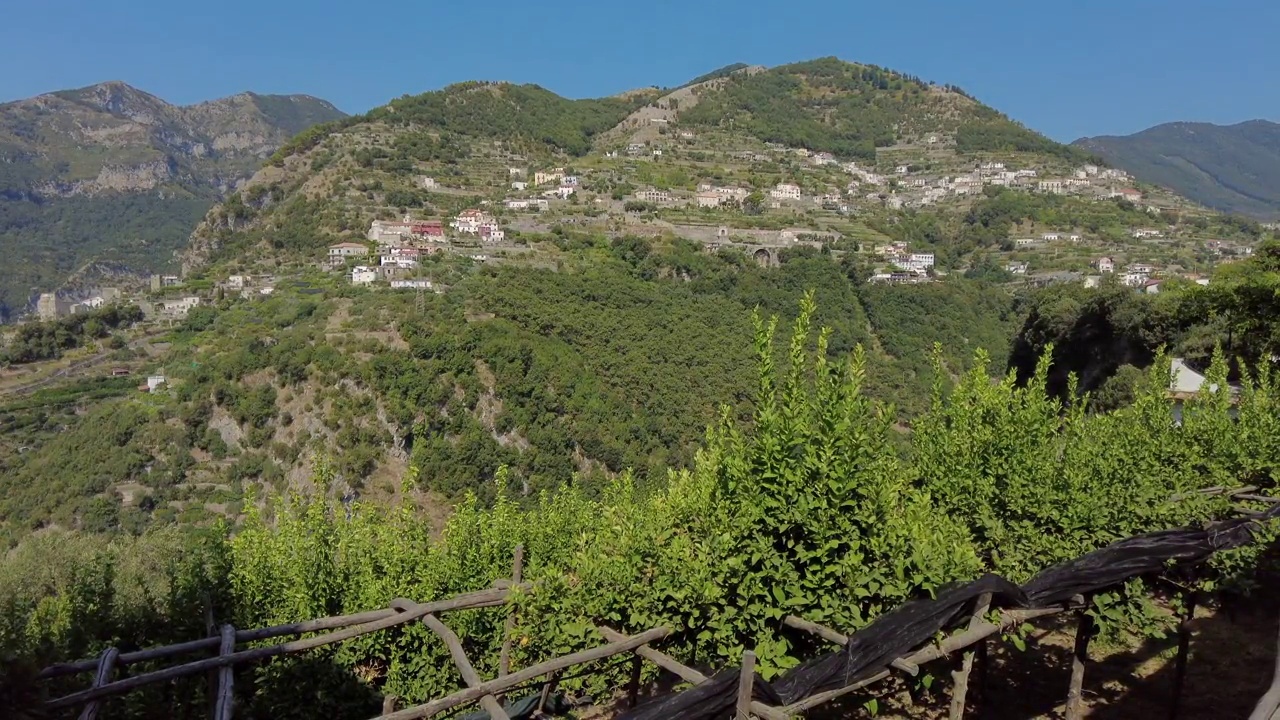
{"points": [[785, 191]]}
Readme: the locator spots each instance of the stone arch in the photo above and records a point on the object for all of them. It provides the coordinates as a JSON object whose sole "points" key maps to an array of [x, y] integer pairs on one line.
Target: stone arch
{"points": [[764, 257]]}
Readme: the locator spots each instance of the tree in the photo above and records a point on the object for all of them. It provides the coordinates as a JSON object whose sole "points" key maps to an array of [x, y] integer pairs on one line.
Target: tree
{"points": [[753, 204]]}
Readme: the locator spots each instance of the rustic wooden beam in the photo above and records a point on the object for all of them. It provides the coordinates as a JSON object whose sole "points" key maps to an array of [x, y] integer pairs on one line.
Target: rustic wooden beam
{"points": [[684, 672], [389, 704], [517, 573], [468, 672], [746, 683], [1079, 659], [662, 660], [225, 701], [1214, 491], [1258, 498], [394, 618], [960, 678], [1008, 619], [492, 687], [841, 639], [492, 597], [106, 663]]}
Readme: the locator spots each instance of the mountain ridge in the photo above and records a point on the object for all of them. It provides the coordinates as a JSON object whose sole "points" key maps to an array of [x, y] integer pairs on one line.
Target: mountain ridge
{"points": [[111, 173], [1231, 168]]}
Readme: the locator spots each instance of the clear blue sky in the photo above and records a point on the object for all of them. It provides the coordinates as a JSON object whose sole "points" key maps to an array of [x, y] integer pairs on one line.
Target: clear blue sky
{"points": [[1066, 68]]}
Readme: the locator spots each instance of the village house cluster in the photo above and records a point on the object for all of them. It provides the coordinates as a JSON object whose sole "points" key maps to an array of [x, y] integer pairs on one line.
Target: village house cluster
{"points": [[51, 306]]}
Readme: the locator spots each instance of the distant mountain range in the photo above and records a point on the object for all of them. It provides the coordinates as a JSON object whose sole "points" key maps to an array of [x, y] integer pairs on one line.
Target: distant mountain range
{"points": [[111, 177], [1232, 168]]}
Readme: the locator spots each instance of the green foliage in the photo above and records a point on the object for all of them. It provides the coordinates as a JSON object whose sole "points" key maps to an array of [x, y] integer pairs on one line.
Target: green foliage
{"points": [[826, 104], [995, 133], [1093, 332], [1039, 482], [803, 509], [48, 240], [514, 113], [48, 340]]}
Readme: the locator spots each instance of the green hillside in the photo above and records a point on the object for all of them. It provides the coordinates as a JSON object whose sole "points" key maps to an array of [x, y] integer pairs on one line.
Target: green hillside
{"points": [[850, 110], [1233, 168]]}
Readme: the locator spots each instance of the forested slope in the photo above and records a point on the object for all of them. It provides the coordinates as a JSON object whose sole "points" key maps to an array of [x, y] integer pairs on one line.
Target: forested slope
{"points": [[1229, 168]]}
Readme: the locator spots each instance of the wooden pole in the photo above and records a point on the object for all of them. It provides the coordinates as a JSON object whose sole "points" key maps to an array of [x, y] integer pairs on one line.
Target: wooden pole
{"points": [[547, 688], [389, 704], [517, 573], [469, 674], [746, 683], [532, 672], [1079, 659], [1270, 701], [211, 681], [106, 663], [633, 683], [1184, 650], [224, 705], [960, 687], [394, 619]]}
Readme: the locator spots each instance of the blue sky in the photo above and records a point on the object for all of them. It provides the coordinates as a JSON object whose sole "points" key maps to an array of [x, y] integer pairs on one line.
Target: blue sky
{"points": [[1070, 68]]}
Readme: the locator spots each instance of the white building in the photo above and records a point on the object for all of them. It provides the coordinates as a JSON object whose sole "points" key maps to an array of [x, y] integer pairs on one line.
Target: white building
{"points": [[363, 275], [1106, 265], [411, 284], [429, 183], [401, 262], [708, 199], [468, 222], [654, 196], [785, 191], [921, 261], [519, 185]]}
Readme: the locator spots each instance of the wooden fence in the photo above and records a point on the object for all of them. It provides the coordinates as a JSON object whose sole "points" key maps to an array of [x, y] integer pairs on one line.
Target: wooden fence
{"points": [[970, 641]]}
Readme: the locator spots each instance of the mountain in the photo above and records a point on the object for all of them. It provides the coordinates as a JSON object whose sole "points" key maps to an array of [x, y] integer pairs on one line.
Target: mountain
{"points": [[331, 181], [1231, 168], [112, 174], [576, 293]]}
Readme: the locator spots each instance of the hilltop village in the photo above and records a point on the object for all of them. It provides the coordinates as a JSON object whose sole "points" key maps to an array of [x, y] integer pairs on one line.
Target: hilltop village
{"points": [[537, 200]]}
